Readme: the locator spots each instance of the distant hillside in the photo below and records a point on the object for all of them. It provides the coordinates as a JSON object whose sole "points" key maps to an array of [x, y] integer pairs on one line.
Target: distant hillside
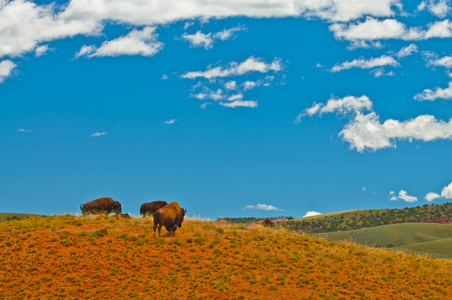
{"points": [[351, 220], [250, 220], [430, 238], [70, 257], [15, 216]]}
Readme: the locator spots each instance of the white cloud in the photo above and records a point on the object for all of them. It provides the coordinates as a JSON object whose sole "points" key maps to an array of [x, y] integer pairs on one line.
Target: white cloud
{"points": [[366, 64], [311, 213], [97, 133], [439, 8], [172, 121], [366, 132], [41, 50], [240, 103], [226, 34], [136, 42], [407, 51], [344, 105], [403, 195], [199, 39], [445, 61], [447, 192], [438, 93], [165, 77], [432, 196], [24, 24], [374, 29], [231, 85], [262, 207], [23, 130], [6, 69]]}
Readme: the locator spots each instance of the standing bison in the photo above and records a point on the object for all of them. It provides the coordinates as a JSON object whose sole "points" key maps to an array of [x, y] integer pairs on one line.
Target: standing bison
{"points": [[171, 216], [151, 207], [102, 205]]}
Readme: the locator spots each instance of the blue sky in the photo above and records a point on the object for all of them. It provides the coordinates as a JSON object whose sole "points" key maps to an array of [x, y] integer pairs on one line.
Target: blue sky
{"points": [[248, 108]]}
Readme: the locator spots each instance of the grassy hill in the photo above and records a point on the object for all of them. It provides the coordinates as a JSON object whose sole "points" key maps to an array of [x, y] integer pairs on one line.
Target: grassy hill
{"points": [[351, 220], [15, 216], [71, 257], [434, 239]]}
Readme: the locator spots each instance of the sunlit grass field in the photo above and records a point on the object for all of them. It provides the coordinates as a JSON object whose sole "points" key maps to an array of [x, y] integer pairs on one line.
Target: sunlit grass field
{"points": [[106, 257]]}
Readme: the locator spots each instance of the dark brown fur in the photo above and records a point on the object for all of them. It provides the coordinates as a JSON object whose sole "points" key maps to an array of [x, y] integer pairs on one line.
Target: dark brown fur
{"points": [[151, 207], [171, 216], [102, 205]]}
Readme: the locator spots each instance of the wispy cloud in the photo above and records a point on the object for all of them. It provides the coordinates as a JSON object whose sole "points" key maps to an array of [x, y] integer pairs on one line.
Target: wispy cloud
{"points": [[262, 207], [137, 42], [437, 93], [41, 50], [23, 130], [172, 121], [207, 40], [366, 63], [97, 133], [439, 8]]}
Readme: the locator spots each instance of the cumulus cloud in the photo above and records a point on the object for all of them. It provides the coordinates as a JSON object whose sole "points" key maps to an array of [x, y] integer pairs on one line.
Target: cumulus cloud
{"points": [[366, 64], [366, 132], [445, 61], [439, 8], [6, 69], [432, 196], [403, 195], [447, 192], [172, 121], [311, 213], [136, 42], [199, 39], [97, 133], [262, 207], [437, 93], [374, 29]]}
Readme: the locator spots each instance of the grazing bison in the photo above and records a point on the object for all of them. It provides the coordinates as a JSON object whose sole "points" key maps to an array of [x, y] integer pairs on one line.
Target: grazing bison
{"points": [[102, 205], [151, 207], [171, 216]]}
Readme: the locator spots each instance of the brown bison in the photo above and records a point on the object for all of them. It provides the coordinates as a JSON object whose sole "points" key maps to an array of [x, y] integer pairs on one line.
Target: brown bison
{"points": [[151, 207], [171, 216], [102, 205]]}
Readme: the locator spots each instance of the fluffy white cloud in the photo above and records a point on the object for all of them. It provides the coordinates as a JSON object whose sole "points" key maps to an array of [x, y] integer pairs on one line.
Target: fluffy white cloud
{"points": [[439, 8], [6, 69], [403, 195], [445, 61], [236, 69], [137, 42], [97, 133], [199, 39], [374, 29], [366, 64], [172, 121], [447, 192], [311, 213], [262, 207], [432, 196], [438, 93], [24, 24], [366, 132]]}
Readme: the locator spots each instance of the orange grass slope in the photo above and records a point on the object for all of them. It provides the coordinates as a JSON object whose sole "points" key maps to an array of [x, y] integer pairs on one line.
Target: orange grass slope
{"points": [[69, 257]]}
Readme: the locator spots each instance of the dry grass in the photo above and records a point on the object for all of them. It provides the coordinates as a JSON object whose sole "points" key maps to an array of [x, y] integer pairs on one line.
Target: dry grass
{"points": [[72, 257]]}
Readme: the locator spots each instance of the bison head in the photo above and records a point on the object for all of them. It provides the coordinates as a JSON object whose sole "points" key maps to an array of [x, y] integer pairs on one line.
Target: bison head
{"points": [[184, 211], [117, 207]]}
